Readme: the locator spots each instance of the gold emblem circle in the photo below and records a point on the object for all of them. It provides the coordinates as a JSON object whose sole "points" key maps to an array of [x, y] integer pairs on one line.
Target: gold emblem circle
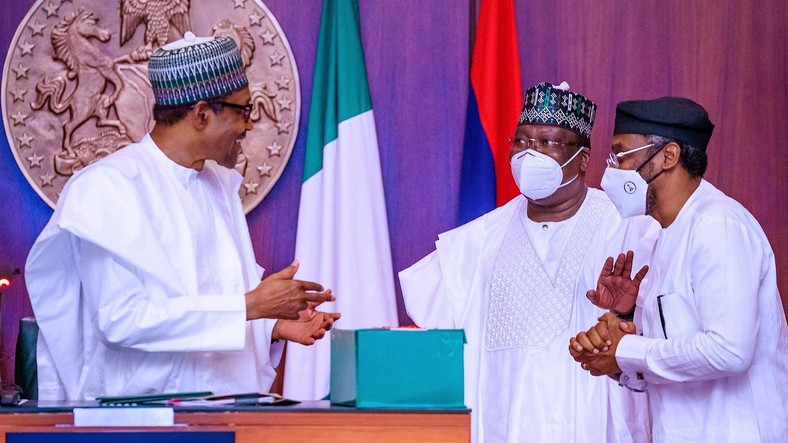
{"points": [[75, 85]]}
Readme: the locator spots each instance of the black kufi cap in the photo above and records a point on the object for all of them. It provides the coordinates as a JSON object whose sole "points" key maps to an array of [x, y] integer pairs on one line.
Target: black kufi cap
{"points": [[673, 117]]}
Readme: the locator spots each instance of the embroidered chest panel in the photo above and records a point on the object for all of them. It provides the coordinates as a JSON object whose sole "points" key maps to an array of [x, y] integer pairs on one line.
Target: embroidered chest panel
{"points": [[526, 307]]}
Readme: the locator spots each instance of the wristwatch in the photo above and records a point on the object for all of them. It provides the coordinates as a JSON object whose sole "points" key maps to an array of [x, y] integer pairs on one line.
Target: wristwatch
{"points": [[626, 316]]}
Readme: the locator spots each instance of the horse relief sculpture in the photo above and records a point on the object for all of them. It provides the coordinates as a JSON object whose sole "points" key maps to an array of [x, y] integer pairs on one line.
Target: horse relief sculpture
{"points": [[76, 90], [92, 74]]}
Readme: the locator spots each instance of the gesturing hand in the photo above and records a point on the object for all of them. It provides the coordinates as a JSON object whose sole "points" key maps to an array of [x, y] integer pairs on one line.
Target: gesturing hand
{"points": [[615, 289], [311, 326], [280, 296]]}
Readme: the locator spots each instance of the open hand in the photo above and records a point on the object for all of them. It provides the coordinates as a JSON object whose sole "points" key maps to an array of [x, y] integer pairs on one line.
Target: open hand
{"points": [[615, 289], [311, 326]]}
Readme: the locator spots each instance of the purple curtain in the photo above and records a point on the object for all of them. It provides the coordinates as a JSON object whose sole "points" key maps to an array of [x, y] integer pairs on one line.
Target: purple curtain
{"points": [[729, 56]]}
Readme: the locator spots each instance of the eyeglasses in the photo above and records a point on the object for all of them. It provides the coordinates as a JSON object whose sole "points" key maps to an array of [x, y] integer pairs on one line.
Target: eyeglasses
{"points": [[612, 159], [246, 110], [531, 143]]}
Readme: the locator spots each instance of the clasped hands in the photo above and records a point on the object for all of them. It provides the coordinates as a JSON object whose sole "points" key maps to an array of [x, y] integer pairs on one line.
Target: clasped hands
{"points": [[293, 303], [595, 349]]}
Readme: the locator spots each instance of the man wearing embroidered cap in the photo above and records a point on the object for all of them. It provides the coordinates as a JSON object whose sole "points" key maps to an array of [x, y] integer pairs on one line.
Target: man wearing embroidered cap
{"points": [[144, 281], [713, 355], [515, 279]]}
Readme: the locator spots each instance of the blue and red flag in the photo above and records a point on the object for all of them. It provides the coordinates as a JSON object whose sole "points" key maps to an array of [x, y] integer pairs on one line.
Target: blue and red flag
{"points": [[494, 101]]}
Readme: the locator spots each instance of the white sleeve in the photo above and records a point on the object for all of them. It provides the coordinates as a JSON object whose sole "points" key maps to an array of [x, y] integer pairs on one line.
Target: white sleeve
{"points": [[275, 350], [423, 291], [127, 313], [726, 264]]}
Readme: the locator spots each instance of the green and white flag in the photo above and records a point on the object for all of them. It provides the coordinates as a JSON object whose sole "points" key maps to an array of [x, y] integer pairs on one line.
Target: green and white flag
{"points": [[343, 237]]}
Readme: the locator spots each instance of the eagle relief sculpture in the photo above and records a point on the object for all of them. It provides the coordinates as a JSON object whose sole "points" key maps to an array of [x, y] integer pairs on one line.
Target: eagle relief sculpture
{"points": [[159, 16]]}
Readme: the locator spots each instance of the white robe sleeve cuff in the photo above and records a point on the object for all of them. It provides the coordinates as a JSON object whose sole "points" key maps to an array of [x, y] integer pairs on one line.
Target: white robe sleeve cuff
{"points": [[276, 349], [230, 335], [631, 359]]}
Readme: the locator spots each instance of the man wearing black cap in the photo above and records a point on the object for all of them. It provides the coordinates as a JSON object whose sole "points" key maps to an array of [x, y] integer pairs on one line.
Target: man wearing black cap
{"points": [[713, 354], [144, 281], [515, 279]]}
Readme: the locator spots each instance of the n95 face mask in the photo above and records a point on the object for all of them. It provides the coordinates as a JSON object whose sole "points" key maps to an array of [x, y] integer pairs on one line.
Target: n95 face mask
{"points": [[627, 190], [538, 175]]}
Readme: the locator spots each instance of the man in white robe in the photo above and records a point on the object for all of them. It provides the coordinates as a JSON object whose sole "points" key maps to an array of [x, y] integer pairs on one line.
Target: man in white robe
{"points": [[515, 280], [713, 354], [144, 281]]}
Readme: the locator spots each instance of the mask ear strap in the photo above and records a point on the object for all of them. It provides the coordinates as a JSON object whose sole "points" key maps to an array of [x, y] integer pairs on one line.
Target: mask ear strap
{"points": [[646, 162], [582, 148], [649, 158], [648, 182], [567, 162], [570, 181]]}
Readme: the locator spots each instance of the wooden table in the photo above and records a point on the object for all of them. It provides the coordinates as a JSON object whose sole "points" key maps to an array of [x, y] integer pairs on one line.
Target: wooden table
{"points": [[307, 421]]}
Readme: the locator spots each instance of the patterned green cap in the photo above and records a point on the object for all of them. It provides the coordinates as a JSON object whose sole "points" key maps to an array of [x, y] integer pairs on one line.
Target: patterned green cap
{"points": [[546, 104], [194, 69]]}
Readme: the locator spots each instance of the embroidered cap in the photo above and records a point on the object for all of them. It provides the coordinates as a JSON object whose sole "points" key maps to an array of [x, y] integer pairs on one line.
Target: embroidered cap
{"points": [[546, 104], [678, 118], [195, 68]]}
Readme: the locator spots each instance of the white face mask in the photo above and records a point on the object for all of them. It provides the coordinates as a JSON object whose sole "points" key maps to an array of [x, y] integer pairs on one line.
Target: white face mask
{"points": [[538, 175], [627, 190]]}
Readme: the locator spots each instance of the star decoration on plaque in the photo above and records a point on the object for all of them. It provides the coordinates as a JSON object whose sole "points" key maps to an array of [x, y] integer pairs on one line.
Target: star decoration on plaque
{"points": [[283, 83], [256, 19], [27, 48], [265, 170], [20, 71], [34, 121], [276, 58], [46, 180], [282, 127], [25, 140], [19, 118], [35, 161], [37, 28], [251, 187], [284, 103], [268, 37], [274, 149], [19, 94], [51, 9]]}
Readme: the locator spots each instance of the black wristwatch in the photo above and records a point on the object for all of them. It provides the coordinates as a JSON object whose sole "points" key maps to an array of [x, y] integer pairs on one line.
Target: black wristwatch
{"points": [[625, 316]]}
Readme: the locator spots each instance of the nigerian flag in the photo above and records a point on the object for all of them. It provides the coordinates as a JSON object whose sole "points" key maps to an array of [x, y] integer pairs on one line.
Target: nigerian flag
{"points": [[343, 237]]}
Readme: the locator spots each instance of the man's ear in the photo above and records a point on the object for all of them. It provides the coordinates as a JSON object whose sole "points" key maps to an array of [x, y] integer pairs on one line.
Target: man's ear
{"points": [[585, 157], [199, 114], [671, 155]]}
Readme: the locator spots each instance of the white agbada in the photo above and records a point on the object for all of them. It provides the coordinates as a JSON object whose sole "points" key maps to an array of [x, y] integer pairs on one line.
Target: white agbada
{"points": [[718, 370], [138, 281], [518, 289]]}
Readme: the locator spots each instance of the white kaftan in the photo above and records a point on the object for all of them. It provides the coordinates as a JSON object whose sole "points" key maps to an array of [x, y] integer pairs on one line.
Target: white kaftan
{"points": [[518, 289], [718, 369], [138, 283]]}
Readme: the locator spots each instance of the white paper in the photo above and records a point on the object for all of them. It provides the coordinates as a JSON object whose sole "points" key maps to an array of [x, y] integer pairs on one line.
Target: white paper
{"points": [[123, 416]]}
